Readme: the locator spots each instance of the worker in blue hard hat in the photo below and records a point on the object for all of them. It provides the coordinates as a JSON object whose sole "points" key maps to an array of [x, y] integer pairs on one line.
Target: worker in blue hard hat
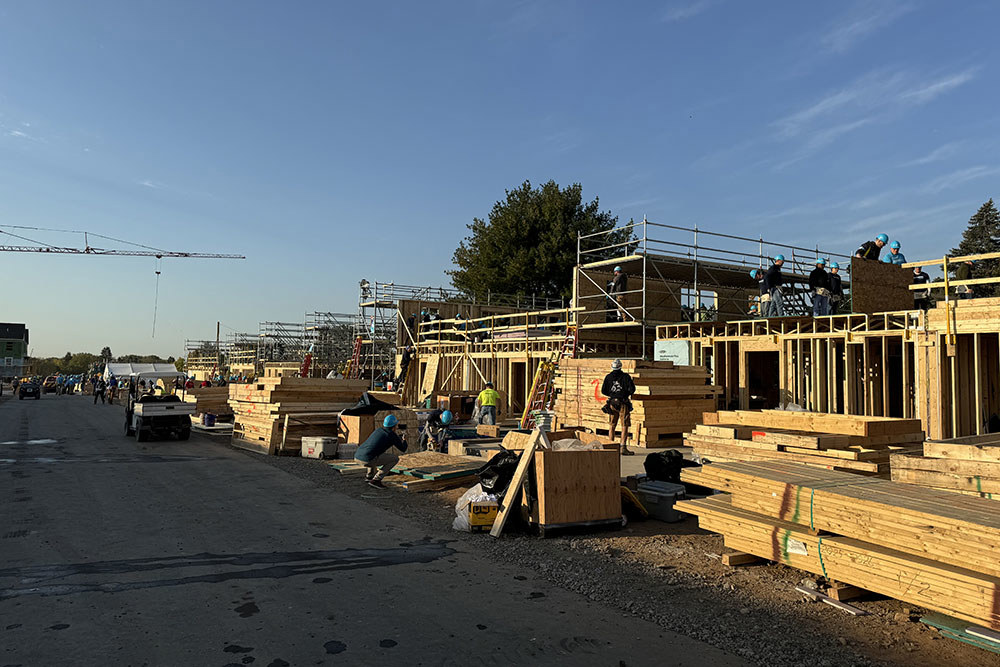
{"points": [[773, 282], [617, 288], [819, 283], [435, 435], [836, 288], [894, 256], [757, 303], [872, 249], [377, 452]]}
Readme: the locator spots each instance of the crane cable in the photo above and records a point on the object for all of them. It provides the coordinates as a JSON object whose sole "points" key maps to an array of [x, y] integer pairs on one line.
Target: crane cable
{"points": [[156, 293]]}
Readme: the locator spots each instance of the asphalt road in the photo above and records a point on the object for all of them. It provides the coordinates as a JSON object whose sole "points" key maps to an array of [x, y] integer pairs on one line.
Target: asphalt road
{"points": [[191, 553]]}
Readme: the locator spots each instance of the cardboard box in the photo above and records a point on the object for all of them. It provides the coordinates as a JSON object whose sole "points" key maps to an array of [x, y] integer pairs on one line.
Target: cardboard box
{"points": [[355, 429], [482, 515]]}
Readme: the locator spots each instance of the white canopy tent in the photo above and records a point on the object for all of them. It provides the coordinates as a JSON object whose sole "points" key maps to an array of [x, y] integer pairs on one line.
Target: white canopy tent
{"points": [[141, 370]]}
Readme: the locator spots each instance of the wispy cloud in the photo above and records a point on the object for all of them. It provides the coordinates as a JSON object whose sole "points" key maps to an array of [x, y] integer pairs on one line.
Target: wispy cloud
{"points": [[932, 89], [867, 18], [689, 10], [956, 178], [152, 185], [936, 155]]}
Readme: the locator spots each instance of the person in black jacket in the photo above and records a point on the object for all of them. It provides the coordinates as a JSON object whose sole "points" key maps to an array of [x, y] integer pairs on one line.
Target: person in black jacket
{"points": [[404, 366], [819, 283], [872, 249], [964, 272], [758, 306], [774, 281], [618, 387], [377, 454], [921, 297], [836, 288]]}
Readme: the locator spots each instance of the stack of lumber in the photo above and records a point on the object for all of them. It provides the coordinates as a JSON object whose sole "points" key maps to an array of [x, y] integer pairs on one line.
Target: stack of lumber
{"points": [[309, 406], [969, 465], [423, 471], [842, 442], [668, 400], [209, 400], [931, 548]]}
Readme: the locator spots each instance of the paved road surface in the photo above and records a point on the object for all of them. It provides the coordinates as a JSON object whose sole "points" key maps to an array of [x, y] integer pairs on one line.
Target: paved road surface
{"points": [[171, 553]]}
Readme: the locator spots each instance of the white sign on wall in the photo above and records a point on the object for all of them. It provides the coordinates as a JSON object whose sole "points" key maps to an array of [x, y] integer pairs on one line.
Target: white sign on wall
{"points": [[677, 351]]}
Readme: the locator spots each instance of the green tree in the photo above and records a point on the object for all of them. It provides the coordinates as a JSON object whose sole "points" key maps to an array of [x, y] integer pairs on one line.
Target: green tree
{"points": [[106, 354], [529, 244], [179, 364], [982, 236]]}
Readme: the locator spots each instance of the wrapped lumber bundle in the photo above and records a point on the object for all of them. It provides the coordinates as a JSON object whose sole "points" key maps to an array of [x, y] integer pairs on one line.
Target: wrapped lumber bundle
{"points": [[851, 443], [969, 465], [932, 548], [209, 400], [669, 399], [272, 414]]}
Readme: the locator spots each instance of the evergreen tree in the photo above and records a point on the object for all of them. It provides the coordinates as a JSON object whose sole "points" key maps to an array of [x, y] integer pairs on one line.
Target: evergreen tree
{"points": [[982, 236]]}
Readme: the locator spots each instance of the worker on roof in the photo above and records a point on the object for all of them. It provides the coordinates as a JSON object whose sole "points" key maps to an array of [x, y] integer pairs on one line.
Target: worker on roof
{"points": [[819, 283], [617, 288], [894, 256], [774, 281], [486, 405], [964, 272], [377, 454], [435, 436], [757, 306], [836, 288], [921, 297], [872, 249], [618, 387]]}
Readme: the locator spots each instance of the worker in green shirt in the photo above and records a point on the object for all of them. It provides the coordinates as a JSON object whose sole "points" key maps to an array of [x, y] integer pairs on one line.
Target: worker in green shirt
{"points": [[487, 402]]}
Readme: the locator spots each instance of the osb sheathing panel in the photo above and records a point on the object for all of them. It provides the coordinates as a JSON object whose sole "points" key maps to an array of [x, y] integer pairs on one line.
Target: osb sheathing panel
{"points": [[877, 287]]}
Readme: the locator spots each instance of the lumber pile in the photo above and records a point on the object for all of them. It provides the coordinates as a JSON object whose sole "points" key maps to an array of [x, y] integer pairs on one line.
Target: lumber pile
{"points": [[422, 471], [668, 400], [310, 406], [209, 400], [969, 465], [931, 548], [841, 442]]}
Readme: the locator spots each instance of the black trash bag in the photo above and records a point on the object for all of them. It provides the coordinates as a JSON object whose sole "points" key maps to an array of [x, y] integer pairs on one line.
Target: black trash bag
{"points": [[495, 475], [368, 405], [666, 466]]}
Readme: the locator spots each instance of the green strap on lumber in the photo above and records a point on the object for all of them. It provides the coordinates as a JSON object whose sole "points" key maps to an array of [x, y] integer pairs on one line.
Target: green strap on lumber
{"points": [[819, 551]]}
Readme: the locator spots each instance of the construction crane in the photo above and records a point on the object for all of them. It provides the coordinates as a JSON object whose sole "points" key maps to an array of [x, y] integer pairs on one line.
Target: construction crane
{"points": [[87, 249]]}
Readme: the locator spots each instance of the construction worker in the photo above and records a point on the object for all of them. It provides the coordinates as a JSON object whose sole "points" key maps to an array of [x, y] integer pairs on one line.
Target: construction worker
{"points": [[404, 365], [377, 454], [99, 387], [486, 405], [757, 308], [773, 281], [618, 387], [894, 256], [819, 283], [964, 272], [435, 436], [872, 249], [617, 288], [921, 297], [836, 288]]}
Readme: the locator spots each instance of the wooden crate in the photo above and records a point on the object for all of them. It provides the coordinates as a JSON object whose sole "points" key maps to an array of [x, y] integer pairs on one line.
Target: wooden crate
{"points": [[575, 488], [355, 429]]}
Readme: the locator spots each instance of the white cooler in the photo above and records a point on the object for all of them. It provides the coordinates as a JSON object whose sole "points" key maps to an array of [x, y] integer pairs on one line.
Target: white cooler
{"points": [[319, 447]]}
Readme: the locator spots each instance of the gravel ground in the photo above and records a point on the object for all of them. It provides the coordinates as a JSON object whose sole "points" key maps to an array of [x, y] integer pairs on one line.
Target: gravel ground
{"points": [[671, 574]]}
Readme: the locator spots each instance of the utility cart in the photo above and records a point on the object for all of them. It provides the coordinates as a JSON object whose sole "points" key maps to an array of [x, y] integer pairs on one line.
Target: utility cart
{"points": [[148, 415]]}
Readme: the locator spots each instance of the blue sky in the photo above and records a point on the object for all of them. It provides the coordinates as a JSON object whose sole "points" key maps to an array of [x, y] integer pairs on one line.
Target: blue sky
{"points": [[331, 142]]}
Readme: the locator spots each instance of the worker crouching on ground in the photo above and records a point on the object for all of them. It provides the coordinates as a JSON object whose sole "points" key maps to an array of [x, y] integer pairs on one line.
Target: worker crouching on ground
{"points": [[377, 451], [872, 249], [773, 281], [836, 288], [921, 297], [618, 387], [894, 256], [486, 403], [819, 283], [435, 436]]}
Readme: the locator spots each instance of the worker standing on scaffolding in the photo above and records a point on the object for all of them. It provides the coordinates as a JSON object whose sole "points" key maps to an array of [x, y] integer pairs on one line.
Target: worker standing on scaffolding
{"points": [[774, 281], [758, 308], [618, 387], [404, 366], [872, 249], [819, 283], [964, 272], [617, 288], [836, 288]]}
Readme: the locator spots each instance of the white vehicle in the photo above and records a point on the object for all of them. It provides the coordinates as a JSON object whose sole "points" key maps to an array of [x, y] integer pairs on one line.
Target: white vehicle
{"points": [[148, 415]]}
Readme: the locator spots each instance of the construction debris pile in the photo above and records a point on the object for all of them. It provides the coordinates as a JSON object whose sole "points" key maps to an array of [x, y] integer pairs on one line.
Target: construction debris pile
{"points": [[969, 465], [857, 444], [669, 399], [926, 547]]}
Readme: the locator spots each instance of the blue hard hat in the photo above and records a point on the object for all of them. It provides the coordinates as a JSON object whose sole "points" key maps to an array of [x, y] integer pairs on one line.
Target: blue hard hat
{"points": [[446, 417], [753, 273], [883, 238], [618, 268], [895, 245], [390, 421], [834, 265], [820, 261], [779, 258]]}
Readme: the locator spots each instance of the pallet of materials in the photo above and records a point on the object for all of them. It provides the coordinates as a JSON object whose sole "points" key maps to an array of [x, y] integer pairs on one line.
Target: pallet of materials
{"points": [[423, 471], [669, 399], [969, 465], [844, 442], [309, 406], [926, 547], [209, 400]]}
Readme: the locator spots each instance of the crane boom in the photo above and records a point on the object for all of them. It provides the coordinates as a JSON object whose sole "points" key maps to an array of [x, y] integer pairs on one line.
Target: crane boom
{"points": [[59, 250]]}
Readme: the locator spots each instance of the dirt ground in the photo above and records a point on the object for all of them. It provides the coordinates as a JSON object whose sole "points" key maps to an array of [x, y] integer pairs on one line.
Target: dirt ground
{"points": [[672, 574]]}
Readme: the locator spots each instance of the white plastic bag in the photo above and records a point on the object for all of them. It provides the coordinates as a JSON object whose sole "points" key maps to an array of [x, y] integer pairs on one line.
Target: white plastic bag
{"points": [[473, 495]]}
